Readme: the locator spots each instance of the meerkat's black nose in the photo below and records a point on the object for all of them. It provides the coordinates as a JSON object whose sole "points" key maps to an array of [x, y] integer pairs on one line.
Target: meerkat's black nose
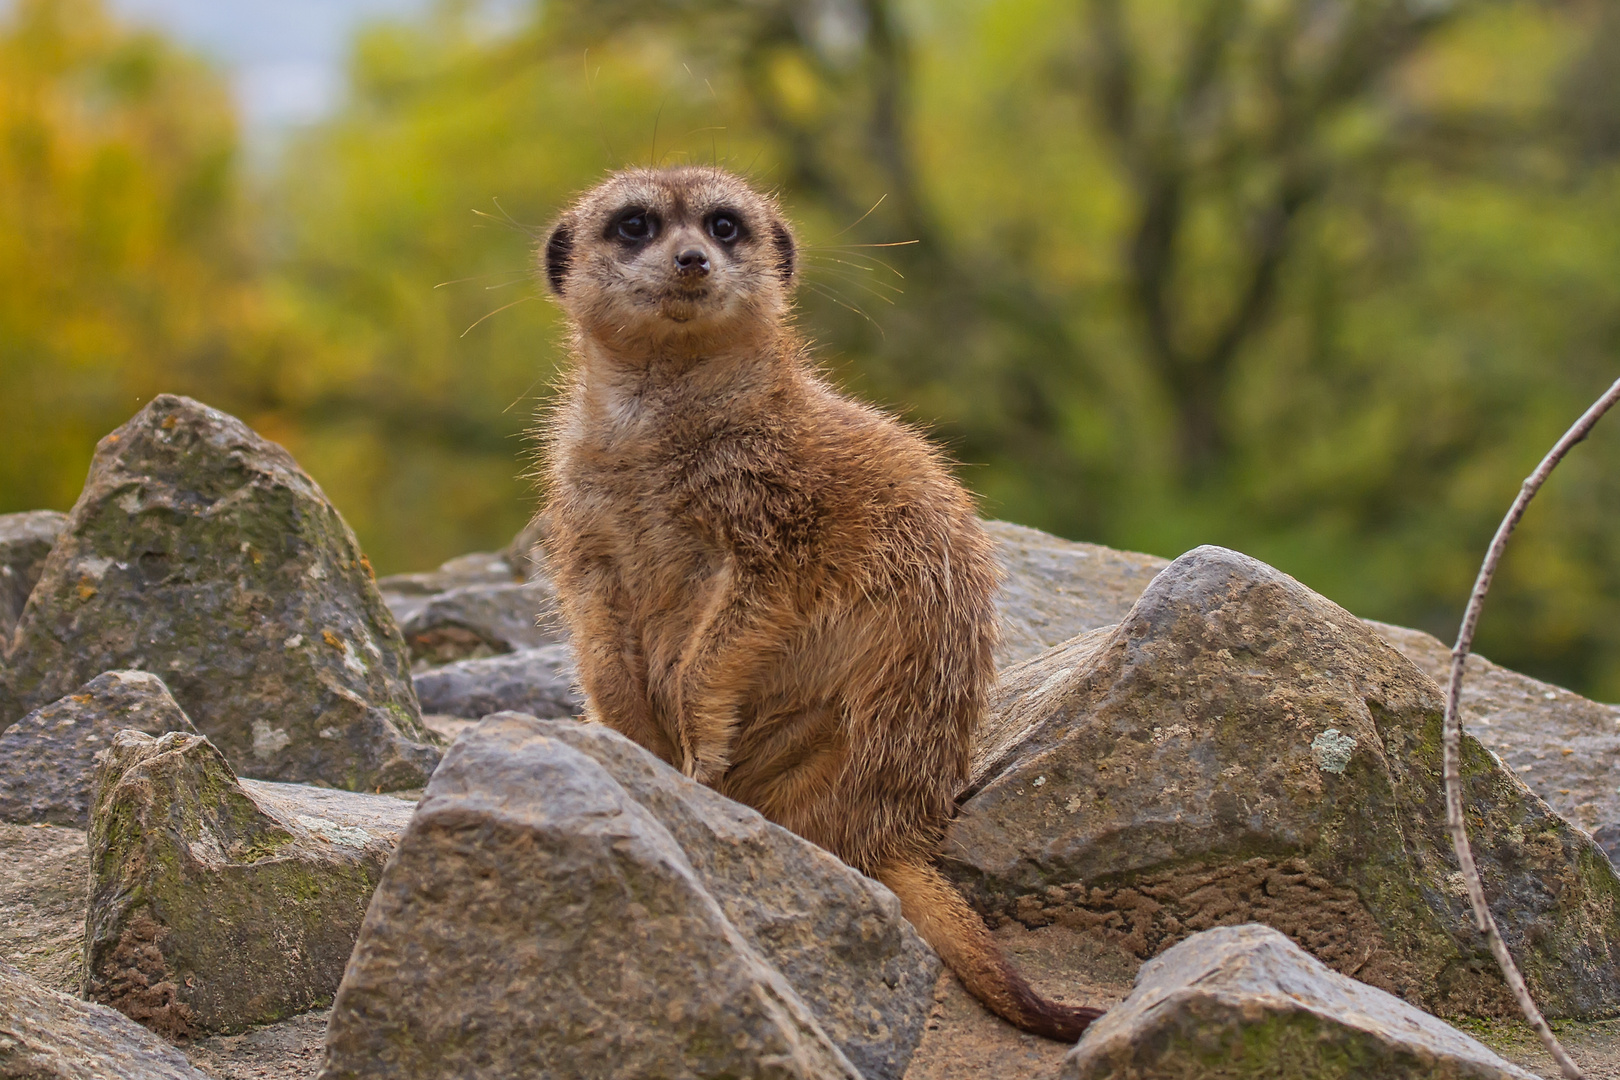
{"points": [[693, 262]]}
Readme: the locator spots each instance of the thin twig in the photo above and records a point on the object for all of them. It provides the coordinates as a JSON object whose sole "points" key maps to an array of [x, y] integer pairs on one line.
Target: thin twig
{"points": [[1453, 728]]}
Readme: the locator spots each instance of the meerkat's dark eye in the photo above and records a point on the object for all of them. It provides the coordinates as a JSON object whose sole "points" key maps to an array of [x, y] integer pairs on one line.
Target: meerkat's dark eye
{"points": [[634, 226], [724, 227]]}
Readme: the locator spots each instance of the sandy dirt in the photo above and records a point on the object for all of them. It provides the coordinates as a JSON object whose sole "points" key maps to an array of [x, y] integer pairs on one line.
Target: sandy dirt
{"points": [[290, 1050], [966, 1042]]}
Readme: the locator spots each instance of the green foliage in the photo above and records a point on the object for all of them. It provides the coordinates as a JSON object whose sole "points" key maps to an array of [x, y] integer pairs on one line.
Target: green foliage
{"points": [[1316, 281], [125, 263]]}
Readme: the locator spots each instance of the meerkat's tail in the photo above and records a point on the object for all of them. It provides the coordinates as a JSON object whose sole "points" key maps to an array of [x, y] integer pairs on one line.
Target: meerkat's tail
{"points": [[959, 935]]}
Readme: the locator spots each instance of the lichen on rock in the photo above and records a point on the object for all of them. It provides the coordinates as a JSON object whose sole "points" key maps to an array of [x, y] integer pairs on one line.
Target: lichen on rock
{"points": [[1176, 772], [1245, 1003], [202, 553], [216, 903]]}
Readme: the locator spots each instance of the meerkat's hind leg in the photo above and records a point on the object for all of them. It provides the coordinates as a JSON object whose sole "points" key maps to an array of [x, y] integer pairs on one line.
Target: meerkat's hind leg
{"points": [[946, 921]]}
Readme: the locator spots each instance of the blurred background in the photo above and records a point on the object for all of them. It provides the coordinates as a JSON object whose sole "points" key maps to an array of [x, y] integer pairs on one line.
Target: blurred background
{"points": [[1320, 280]]}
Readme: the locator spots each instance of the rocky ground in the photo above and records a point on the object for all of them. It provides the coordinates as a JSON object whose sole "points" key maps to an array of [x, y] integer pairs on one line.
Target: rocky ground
{"points": [[291, 819]]}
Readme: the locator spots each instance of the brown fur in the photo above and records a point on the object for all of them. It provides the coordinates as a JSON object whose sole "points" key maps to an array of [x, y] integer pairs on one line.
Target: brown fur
{"points": [[781, 592]]}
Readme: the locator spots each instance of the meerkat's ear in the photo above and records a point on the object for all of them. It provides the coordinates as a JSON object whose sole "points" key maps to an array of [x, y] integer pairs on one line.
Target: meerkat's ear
{"points": [[786, 254], [559, 249]]}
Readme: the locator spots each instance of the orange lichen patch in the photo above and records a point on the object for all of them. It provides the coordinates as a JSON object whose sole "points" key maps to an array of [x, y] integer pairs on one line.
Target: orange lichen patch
{"points": [[170, 423], [86, 590], [365, 564], [333, 640]]}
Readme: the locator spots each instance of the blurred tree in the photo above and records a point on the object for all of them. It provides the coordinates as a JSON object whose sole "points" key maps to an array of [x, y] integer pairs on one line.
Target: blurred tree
{"points": [[1270, 273], [125, 261], [1315, 279], [1238, 127]]}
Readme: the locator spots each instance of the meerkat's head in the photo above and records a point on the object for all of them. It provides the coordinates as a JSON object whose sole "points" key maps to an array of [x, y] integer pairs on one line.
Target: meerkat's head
{"points": [[680, 258]]}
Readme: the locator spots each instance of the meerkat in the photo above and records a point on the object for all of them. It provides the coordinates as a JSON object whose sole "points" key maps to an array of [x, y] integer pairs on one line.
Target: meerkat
{"points": [[780, 591]]}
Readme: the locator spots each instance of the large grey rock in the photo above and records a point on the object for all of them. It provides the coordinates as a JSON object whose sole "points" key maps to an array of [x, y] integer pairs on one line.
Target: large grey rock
{"points": [[25, 540], [1240, 749], [1564, 746], [1245, 1003], [48, 1035], [1053, 588], [566, 905], [202, 553], [475, 621], [217, 904], [48, 759], [539, 682]]}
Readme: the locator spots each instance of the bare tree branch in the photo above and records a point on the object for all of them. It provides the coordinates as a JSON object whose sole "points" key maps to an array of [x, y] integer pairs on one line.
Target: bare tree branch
{"points": [[1453, 728]]}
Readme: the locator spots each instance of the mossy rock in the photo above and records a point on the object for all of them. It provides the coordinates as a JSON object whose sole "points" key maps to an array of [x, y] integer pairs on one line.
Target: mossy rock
{"points": [[1245, 1003], [216, 904], [1241, 749], [202, 553]]}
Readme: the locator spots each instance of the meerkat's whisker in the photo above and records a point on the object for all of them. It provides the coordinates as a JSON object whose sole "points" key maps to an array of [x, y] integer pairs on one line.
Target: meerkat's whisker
{"points": [[859, 255], [858, 282], [508, 223], [822, 290], [520, 275], [870, 211], [497, 311], [857, 272]]}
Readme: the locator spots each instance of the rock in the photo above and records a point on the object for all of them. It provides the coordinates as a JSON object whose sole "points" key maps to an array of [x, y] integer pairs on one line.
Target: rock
{"points": [[406, 594], [1240, 749], [47, 1035], [564, 904], [539, 682], [25, 540], [477, 568], [289, 1049], [476, 621], [1565, 747], [216, 904], [1244, 1002], [1055, 588], [48, 758], [44, 884], [202, 553]]}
